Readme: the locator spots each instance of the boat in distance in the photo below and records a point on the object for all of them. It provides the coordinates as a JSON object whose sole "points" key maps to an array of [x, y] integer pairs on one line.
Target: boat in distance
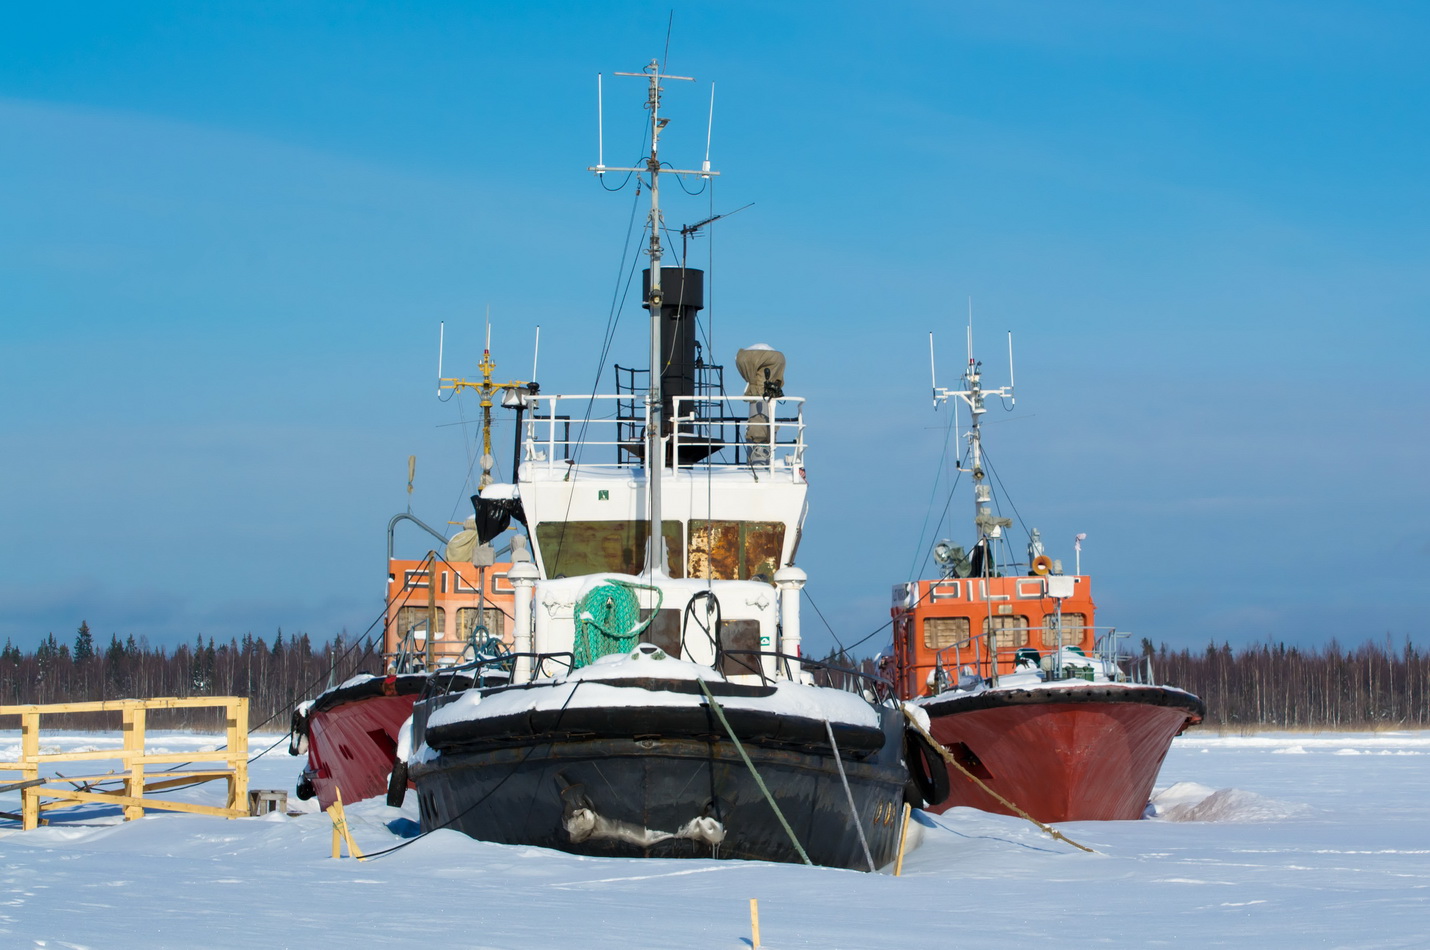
{"points": [[1027, 695]]}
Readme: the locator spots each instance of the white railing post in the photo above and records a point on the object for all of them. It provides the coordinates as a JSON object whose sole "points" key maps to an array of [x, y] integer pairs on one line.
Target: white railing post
{"points": [[522, 576], [790, 581]]}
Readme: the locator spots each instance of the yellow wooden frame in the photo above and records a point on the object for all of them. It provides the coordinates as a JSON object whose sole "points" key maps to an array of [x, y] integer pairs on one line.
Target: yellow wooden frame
{"points": [[138, 781]]}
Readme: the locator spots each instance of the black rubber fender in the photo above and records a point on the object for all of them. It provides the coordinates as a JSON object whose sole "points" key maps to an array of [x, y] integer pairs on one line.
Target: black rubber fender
{"points": [[927, 769], [397, 784]]}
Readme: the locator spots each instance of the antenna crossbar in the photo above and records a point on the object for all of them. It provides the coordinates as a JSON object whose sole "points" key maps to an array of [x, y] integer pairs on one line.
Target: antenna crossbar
{"points": [[645, 168], [655, 76]]}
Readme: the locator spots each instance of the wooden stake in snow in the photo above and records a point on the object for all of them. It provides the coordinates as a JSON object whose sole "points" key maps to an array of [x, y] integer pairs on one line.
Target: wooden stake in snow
{"points": [[341, 832], [903, 838], [754, 924]]}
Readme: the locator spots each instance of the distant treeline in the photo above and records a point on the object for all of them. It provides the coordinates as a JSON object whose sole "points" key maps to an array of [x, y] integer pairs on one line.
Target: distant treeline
{"points": [[274, 676], [1371, 686]]}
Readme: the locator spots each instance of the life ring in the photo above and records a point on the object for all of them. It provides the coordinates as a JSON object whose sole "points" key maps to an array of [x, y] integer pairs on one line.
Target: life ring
{"points": [[926, 768], [1042, 565]]}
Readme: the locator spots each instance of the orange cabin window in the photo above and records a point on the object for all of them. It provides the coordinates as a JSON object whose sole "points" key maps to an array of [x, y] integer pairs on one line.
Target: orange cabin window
{"points": [[941, 632], [1009, 633], [1074, 630]]}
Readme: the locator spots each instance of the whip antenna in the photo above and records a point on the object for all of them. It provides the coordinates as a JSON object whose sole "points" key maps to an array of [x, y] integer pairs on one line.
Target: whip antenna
{"points": [[933, 375], [600, 130], [441, 338], [709, 127]]}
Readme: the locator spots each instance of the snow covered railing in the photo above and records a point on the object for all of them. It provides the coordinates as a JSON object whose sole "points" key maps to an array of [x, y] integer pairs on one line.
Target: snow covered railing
{"points": [[746, 431], [499, 669], [1105, 653], [873, 688], [42, 794]]}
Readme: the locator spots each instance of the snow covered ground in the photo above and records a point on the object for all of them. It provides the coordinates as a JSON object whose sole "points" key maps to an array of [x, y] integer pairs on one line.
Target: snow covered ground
{"points": [[1267, 841]]}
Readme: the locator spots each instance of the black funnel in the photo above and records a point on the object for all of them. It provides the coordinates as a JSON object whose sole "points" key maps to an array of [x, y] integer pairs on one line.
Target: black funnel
{"points": [[682, 292]]}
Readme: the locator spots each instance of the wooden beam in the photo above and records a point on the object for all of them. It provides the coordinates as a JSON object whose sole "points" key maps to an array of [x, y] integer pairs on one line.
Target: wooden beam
{"points": [[74, 797]]}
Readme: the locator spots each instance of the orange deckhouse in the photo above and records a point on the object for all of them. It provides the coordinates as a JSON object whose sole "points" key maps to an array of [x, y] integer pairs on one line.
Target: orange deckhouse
{"points": [[468, 607], [947, 629]]}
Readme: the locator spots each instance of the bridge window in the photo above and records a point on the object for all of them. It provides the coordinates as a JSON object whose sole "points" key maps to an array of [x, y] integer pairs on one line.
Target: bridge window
{"points": [[736, 550], [409, 618], [467, 621], [664, 631], [1074, 630], [940, 632], [1008, 632], [573, 548], [742, 637]]}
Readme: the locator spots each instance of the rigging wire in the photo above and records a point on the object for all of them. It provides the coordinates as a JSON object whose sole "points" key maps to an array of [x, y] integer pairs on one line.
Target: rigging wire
{"points": [[921, 551], [618, 299], [1004, 495], [888, 623], [822, 618]]}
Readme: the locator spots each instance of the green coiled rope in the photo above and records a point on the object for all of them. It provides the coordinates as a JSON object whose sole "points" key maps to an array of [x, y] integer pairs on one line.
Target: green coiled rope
{"points": [[608, 620]]}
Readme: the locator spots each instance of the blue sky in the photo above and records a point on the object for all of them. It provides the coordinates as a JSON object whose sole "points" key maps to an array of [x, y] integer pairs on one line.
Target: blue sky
{"points": [[228, 233]]}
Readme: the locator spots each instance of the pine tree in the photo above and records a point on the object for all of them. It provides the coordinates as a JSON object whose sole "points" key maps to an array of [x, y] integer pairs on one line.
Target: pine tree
{"points": [[83, 643]]}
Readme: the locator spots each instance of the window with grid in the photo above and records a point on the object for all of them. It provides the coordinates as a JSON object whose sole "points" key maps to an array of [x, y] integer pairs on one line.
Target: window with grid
{"points": [[1074, 630], [941, 632], [1009, 633], [409, 618], [467, 621]]}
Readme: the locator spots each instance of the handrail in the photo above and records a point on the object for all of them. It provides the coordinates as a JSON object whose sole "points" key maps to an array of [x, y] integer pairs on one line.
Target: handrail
{"points": [[1104, 649], [880, 687], [778, 422], [437, 687]]}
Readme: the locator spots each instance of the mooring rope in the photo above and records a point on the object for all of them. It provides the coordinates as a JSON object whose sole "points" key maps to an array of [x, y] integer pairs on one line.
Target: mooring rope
{"points": [[720, 714], [951, 759], [854, 811]]}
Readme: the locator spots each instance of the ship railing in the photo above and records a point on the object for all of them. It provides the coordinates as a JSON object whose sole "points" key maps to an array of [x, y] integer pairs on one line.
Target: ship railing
{"points": [[496, 670], [411, 653], [873, 688], [1105, 653], [1108, 648], [735, 431]]}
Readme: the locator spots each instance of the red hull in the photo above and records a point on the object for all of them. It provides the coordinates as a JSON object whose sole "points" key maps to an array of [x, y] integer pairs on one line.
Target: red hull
{"points": [[352, 746], [1092, 755]]}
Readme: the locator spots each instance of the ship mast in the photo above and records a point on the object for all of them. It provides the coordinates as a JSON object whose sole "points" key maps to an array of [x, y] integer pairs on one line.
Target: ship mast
{"points": [[655, 423], [988, 527]]}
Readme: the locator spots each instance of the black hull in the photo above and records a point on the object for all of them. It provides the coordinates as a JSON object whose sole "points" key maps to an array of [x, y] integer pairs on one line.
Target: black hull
{"points": [[632, 797]]}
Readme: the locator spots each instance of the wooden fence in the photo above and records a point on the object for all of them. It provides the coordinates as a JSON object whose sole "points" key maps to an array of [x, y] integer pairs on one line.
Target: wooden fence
{"points": [[138, 778]]}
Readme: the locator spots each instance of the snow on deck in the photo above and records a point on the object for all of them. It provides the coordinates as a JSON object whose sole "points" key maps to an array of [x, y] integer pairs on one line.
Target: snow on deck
{"points": [[588, 688]]}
